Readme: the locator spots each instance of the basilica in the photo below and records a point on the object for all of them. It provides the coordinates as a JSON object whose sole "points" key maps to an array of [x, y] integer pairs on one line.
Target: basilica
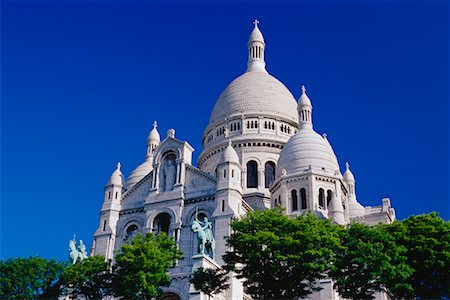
{"points": [[260, 150]]}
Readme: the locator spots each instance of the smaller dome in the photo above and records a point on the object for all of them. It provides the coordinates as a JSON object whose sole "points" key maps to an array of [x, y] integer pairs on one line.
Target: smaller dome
{"points": [[154, 134], [304, 150], [348, 175], [140, 172], [116, 177], [230, 155]]}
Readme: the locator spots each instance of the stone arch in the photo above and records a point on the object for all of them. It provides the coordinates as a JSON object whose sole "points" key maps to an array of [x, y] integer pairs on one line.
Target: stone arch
{"points": [[170, 296], [200, 209], [127, 222], [251, 168], [164, 150], [173, 216], [175, 291], [161, 223]]}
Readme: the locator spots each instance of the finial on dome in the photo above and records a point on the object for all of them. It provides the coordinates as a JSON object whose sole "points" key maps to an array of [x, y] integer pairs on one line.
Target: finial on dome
{"points": [[256, 48], [324, 135], [118, 165], [155, 124], [304, 110], [347, 165]]}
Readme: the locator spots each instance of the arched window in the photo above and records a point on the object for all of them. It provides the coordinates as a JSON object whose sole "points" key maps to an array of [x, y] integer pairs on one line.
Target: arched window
{"points": [[294, 200], [170, 296], [131, 230], [303, 198], [321, 197], [269, 173], [161, 223], [252, 174], [329, 196]]}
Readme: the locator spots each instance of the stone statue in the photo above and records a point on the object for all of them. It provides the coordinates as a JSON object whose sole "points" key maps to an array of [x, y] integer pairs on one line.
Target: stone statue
{"points": [[205, 237], [77, 254]]}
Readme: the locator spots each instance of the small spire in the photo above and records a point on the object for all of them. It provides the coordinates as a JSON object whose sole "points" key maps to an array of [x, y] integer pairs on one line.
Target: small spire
{"points": [[155, 124], [303, 89], [347, 165], [118, 166], [256, 48]]}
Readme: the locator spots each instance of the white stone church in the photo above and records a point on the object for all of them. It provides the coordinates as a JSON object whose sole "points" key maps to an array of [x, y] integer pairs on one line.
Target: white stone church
{"points": [[260, 150]]}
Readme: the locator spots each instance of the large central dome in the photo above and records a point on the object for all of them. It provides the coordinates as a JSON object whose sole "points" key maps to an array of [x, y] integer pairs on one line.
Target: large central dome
{"points": [[255, 92]]}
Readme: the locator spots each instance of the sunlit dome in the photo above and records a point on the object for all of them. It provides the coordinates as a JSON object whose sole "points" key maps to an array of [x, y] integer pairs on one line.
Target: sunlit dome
{"points": [[258, 93], [307, 148]]}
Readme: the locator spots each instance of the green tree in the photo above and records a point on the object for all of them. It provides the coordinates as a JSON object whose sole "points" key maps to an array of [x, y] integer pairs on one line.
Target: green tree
{"points": [[280, 257], [141, 266], [91, 277], [29, 278], [210, 281], [370, 261], [427, 240]]}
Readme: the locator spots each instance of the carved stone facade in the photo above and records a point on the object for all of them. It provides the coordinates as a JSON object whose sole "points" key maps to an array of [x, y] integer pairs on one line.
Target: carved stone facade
{"points": [[259, 151]]}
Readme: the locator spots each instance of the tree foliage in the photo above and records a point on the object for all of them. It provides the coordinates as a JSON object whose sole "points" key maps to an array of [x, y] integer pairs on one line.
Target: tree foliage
{"points": [[91, 278], [29, 278], [427, 240], [141, 266], [370, 261], [280, 257], [210, 281]]}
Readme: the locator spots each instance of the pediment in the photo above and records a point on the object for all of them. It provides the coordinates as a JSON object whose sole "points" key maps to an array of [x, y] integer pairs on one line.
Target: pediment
{"points": [[140, 191], [198, 183]]}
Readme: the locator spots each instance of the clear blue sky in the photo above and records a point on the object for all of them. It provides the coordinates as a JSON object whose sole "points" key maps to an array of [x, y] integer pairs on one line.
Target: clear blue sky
{"points": [[82, 82]]}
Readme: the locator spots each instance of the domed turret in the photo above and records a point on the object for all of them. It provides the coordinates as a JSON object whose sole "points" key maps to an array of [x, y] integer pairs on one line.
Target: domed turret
{"points": [[348, 175], [230, 155], [153, 139], [146, 167], [116, 177], [307, 149], [256, 48], [354, 207]]}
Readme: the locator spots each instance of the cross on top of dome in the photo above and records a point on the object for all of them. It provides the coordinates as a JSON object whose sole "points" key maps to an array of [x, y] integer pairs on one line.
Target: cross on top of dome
{"points": [[255, 22]]}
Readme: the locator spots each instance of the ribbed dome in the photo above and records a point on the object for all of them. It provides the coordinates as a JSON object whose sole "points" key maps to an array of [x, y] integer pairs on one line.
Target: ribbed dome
{"points": [[140, 172], [255, 92], [306, 148]]}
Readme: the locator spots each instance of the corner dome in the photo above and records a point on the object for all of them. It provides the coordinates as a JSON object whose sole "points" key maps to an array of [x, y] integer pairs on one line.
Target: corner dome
{"points": [[348, 175], [307, 148], [255, 93], [116, 177], [230, 155]]}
